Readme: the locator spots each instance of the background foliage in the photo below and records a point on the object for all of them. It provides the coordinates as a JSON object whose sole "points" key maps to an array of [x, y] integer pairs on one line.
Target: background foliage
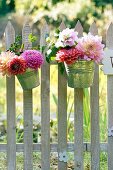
{"points": [[54, 11]]}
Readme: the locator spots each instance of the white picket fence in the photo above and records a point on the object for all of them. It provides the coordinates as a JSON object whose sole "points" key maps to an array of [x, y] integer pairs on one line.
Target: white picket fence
{"points": [[78, 147]]}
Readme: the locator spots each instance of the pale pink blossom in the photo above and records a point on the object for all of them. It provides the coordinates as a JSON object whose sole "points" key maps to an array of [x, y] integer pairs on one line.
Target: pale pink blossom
{"points": [[91, 46], [68, 37]]}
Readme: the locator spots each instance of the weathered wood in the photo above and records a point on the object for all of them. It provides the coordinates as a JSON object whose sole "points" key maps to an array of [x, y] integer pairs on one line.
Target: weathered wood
{"points": [[94, 103], [62, 113], [62, 117], [109, 44], [108, 62], [28, 113], [54, 147], [79, 29], [45, 106], [78, 119], [11, 115], [78, 125]]}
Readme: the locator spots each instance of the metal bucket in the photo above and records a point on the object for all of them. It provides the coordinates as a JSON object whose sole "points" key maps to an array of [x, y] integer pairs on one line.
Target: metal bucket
{"points": [[29, 80], [80, 74]]}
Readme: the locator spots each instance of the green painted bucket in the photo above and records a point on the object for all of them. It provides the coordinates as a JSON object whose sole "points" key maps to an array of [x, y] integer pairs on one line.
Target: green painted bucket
{"points": [[80, 74], [29, 80]]}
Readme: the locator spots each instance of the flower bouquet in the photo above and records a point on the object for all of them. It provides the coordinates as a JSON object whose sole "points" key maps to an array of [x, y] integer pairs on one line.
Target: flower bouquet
{"points": [[23, 64], [77, 54]]}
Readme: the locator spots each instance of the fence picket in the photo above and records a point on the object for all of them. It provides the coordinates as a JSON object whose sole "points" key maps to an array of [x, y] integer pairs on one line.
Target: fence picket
{"points": [[62, 114], [94, 102], [45, 106], [109, 44], [11, 115], [78, 119], [28, 113]]}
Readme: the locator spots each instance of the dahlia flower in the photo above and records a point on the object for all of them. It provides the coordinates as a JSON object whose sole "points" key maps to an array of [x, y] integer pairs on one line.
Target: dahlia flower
{"points": [[4, 59], [92, 47], [34, 58], [17, 65], [68, 37], [68, 55]]}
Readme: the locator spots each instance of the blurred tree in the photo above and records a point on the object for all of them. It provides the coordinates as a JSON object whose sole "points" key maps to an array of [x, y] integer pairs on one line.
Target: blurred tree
{"points": [[56, 1], [7, 6], [54, 11], [11, 5], [3, 6], [102, 3]]}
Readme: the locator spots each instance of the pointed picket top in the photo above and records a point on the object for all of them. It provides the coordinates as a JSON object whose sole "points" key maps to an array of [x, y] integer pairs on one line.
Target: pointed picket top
{"points": [[9, 26], [9, 34], [62, 26], [93, 29], [25, 34], [109, 37], [44, 33], [79, 28]]}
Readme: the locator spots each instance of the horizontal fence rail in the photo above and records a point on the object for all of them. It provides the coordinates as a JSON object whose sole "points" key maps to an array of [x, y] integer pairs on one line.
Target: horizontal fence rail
{"points": [[54, 147], [78, 147]]}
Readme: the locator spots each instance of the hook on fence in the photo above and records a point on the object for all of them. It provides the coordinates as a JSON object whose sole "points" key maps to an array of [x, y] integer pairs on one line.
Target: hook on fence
{"points": [[110, 132]]}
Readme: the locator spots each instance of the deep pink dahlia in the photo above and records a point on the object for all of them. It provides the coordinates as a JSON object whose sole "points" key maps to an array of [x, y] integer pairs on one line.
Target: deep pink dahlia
{"points": [[68, 55], [34, 58]]}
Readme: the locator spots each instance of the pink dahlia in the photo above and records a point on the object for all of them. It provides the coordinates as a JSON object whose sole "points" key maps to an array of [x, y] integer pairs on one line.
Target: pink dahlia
{"points": [[34, 58], [17, 65], [68, 55], [92, 47]]}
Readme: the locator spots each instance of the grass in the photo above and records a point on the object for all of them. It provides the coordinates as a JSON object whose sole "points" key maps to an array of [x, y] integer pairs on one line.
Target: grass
{"points": [[53, 161]]}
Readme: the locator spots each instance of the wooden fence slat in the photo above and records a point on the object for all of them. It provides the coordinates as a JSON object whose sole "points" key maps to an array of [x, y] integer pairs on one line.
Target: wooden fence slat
{"points": [[109, 44], [11, 115], [94, 102], [62, 117], [78, 132], [45, 106], [28, 113], [62, 114], [78, 119]]}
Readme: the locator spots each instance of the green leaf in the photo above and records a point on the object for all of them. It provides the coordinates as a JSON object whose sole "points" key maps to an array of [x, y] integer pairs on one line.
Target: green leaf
{"points": [[56, 34], [42, 48], [48, 59], [18, 38], [51, 53], [57, 31], [22, 47], [62, 67], [55, 99], [32, 38]]}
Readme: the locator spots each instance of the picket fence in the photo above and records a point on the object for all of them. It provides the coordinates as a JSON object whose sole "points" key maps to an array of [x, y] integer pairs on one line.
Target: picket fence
{"points": [[78, 147]]}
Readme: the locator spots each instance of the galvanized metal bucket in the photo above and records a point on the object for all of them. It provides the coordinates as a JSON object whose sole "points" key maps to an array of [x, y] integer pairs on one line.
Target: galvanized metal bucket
{"points": [[29, 80], [80, 74]]}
